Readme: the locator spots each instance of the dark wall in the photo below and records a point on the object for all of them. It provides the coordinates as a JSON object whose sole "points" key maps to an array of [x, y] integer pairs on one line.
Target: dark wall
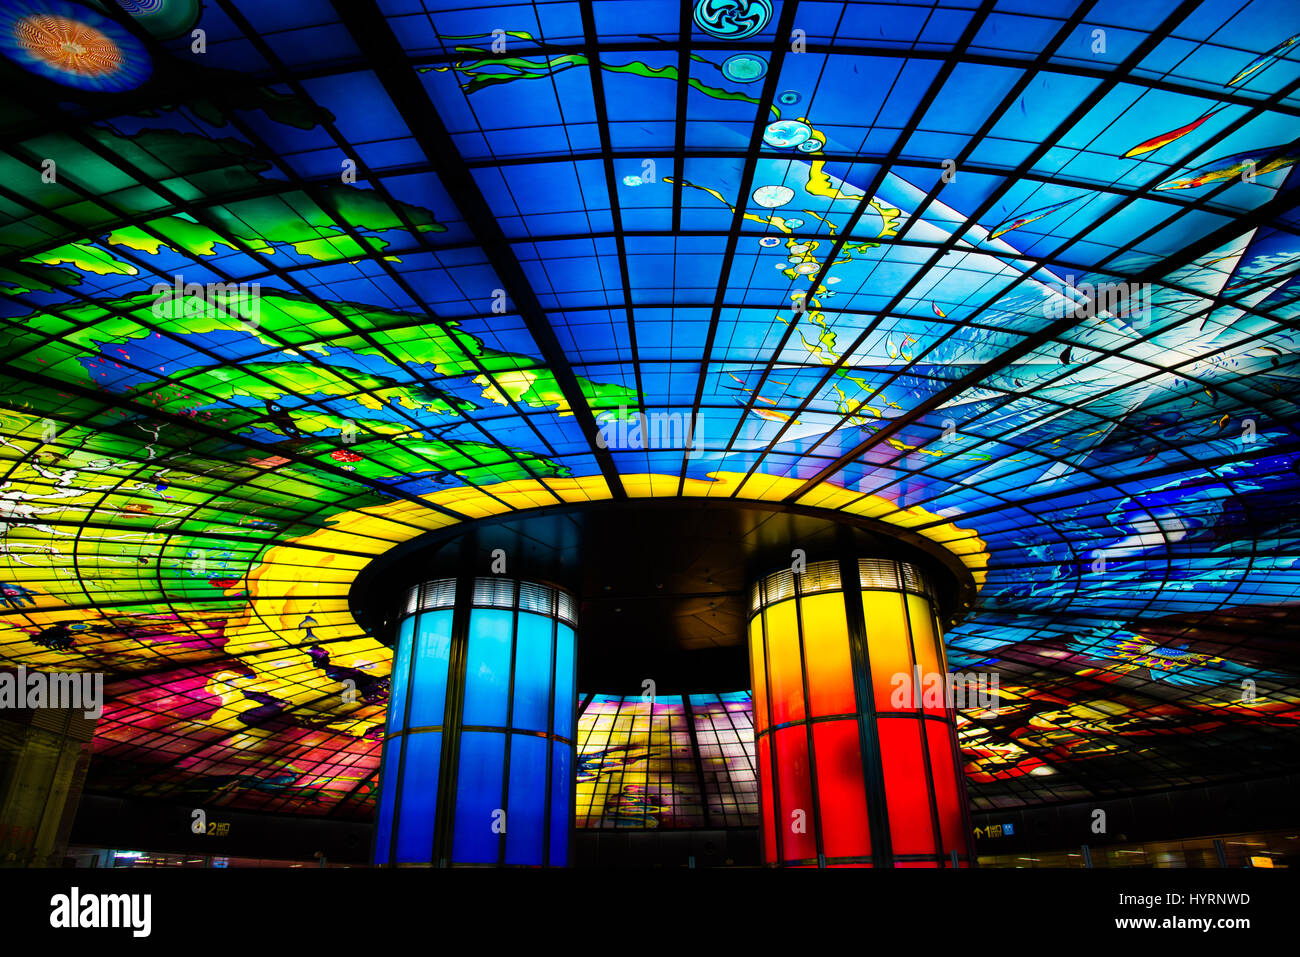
{"points": [[1170, 815], [738, 847], [129, 824]]}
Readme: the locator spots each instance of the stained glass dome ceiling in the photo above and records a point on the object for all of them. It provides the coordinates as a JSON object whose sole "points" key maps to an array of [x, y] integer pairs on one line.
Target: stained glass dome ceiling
{"points": [[286, 292]]}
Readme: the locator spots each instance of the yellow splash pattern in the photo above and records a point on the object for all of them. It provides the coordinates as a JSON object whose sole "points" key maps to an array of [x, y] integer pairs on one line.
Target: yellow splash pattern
{"points": [[308, 579]]}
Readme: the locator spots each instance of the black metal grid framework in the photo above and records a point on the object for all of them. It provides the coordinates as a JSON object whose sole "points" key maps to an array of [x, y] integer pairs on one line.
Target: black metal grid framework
{"points": [[141, 680]]}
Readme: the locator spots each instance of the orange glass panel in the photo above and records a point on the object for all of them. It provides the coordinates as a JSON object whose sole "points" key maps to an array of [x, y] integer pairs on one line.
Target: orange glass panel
{"points": [[758, 672], [926, 651], [846, 831], [798, 821], [907, 796], [948, 794], [785, 672], [826, 653], [887, 645]]}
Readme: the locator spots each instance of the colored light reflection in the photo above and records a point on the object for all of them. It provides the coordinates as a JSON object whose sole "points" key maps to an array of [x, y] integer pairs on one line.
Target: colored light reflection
{"points": [[674, 762]]}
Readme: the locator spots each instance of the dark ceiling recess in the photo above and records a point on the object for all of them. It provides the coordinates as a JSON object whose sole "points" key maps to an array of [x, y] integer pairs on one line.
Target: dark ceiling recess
{"points": [[664, 586]]}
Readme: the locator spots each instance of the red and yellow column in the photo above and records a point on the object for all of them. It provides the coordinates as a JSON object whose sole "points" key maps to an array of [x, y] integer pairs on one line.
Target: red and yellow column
{"points": [[857, 767]]}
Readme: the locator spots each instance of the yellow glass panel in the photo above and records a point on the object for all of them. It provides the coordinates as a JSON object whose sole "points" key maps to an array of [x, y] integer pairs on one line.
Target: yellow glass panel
{"points": [[887, 646], [758, 672], [785, 671], [926, 650], [826, 654]]}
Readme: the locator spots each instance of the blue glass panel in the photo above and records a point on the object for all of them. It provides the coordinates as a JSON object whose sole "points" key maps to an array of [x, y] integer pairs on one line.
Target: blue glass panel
{"points": [[487, 667], [433, 649], [526, 814], [419, 798], [532, 673], [564, 680], [478, 797], [387, 798], [561, 790], [397, 681]]}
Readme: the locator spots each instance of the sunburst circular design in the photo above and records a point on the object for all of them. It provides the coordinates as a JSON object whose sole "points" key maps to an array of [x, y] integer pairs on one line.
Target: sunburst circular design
{"points": [[74, 46]]}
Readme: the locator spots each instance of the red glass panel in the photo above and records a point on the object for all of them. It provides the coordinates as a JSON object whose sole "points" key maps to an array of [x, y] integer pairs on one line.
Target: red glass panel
{"points": [[765, 798], [840, 791], [797, 819], [907, 795], [949, 796]]}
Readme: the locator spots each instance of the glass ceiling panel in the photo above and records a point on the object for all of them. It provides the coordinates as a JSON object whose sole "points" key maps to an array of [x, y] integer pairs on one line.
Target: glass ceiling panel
{"points": [[1020, 277]]}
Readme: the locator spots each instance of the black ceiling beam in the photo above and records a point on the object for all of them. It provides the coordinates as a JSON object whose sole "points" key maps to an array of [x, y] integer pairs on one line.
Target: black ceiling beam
{"points": [[1031, 342], [611, 189], [847, 48], [781, 43], [923, 106], [374, 37]]}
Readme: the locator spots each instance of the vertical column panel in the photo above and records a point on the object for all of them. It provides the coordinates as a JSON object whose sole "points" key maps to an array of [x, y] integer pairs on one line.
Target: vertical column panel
{"points": [[532, 695], [392, 760], [927, 655], [487, 667], [526, 819], [846, 830], [758, 672], [399, 677], [477, 769], [419, 798], [565, 681], [826, 652], [872, 770], [887, 639], [561, 802], [767, 799], [433, 654], [906, 787], [947, 789], [797, 823], [786, 669], [478, 797]]}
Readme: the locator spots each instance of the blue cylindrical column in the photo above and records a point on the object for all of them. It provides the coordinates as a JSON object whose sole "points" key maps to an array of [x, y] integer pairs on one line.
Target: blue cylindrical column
{"points": [[478, 755]]}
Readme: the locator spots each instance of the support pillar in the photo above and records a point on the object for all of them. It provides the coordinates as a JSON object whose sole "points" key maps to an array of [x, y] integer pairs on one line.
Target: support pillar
{"points": [[856, 739], [478, 755]]}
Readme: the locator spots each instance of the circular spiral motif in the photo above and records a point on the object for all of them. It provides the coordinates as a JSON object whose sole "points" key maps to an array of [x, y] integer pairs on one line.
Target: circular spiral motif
{"points": [[732, 19], [788, 97], [72, 45]]}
